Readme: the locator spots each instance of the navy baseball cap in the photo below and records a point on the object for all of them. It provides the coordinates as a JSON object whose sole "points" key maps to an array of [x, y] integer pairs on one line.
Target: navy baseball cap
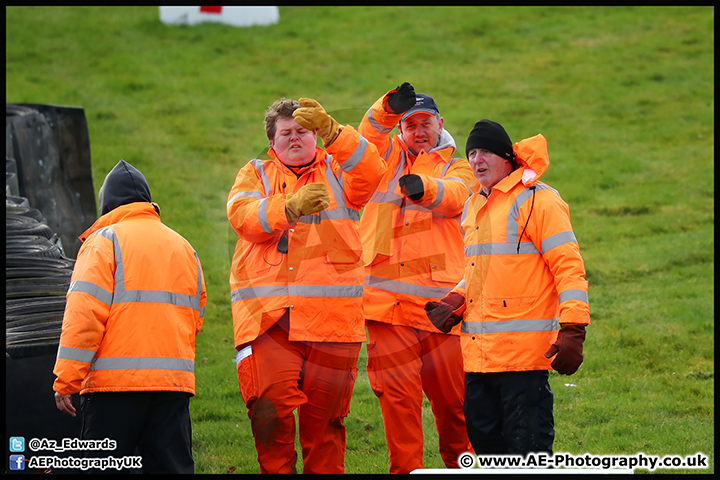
{"points": [[423, 104]]}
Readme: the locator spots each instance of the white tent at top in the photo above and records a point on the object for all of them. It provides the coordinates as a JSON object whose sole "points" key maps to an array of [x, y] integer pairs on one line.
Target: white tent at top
{"points": [[236, 16]]}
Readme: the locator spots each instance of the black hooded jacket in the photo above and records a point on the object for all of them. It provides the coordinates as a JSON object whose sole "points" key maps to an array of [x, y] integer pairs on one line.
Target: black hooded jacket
{"points": [[124, 184]]}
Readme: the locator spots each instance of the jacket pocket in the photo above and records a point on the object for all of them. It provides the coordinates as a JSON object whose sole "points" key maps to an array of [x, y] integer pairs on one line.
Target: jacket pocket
{"points": [[344, 262], [509, 304], [343, 256], [247, 375], [347, 392]]}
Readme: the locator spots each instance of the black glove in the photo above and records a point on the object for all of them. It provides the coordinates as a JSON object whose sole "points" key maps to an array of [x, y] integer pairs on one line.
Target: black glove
{"points": [[441, 313], [402, 99], [411, 186], [568, 347]]}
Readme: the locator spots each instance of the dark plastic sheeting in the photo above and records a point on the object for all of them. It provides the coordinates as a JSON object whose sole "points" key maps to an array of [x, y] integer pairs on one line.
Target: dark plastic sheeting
{"points": [[50, 146]]}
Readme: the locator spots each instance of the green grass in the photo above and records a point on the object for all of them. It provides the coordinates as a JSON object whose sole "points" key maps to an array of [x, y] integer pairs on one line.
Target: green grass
{"points": [[624, 95]]}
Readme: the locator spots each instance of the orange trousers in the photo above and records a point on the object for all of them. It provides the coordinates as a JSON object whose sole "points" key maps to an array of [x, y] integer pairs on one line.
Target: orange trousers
{"points": [[277, 376], [402, 363]]}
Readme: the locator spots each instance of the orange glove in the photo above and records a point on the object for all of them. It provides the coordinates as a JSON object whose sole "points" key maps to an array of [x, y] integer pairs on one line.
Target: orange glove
{"points": [[441, 313], [568, 347], [311, 198], [312, 115]]}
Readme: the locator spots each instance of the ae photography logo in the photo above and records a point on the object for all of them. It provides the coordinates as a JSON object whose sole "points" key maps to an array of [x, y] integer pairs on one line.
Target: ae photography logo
{"points": [[584, 461]]}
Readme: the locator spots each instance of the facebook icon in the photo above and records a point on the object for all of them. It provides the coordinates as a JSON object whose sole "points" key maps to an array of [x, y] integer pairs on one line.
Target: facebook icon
{"points": [[17, 462]]}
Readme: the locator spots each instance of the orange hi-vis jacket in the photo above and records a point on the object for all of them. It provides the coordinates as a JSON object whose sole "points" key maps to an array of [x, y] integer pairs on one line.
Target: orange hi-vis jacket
{"points": [[135, 304], [524, 274], [320, 277], [412, 250]]}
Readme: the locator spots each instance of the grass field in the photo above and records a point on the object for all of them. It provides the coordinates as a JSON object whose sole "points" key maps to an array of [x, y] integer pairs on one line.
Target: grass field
{"points": [[624, 96]]}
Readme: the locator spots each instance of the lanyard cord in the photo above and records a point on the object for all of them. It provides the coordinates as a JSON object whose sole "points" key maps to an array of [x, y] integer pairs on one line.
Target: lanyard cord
{"points": [[528, 218]]}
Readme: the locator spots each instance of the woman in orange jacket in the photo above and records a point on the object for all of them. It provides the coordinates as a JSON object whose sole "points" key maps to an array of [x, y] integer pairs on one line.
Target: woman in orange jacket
{"points": [[523, 298], [135, 304], [296, 283], [413, 253]]}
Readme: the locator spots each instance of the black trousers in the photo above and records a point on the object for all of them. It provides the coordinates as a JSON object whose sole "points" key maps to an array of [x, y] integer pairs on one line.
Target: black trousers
{"points": [[509, 412], [153, 425]]}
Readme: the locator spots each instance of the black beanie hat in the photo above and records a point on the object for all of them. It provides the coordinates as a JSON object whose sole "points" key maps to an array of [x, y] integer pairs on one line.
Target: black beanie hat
{"points": [[491, 136]]}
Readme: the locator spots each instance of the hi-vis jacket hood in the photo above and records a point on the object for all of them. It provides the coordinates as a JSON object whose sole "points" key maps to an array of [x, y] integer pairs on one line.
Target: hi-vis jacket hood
{"points": [[524, 275], [124, 184], [532, 155]]}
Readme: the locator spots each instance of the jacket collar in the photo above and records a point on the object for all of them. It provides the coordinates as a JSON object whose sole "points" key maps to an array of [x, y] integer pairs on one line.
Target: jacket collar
{"points": [[121, 213], [319, 157]]}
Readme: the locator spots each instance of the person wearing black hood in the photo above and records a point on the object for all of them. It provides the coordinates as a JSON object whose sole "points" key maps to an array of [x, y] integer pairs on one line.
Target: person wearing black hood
{"points": [[135, 304]]}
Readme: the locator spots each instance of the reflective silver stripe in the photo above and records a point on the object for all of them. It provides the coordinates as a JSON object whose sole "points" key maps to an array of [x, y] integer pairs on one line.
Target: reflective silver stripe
{"points": [[402, 161], [297, 291], [357, 155], [558, 239], [119, 267], [376, 125], [331, 214], [499, 249], [135, 363], [262, 216], [260, 167], [325, 290], [470, 192], [122, 295], [573, 294], [105, 232], [253, 194], [91, 289], [522, 197], [333, 183], [511, 247], [77, 354], [159, 296], [396, 286], [439, 196], [259, 292], [447, 166], [156, 296], [387, 197], [420, 208], [507, 326], [198, 292], [477, 249], [464, 213]]}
